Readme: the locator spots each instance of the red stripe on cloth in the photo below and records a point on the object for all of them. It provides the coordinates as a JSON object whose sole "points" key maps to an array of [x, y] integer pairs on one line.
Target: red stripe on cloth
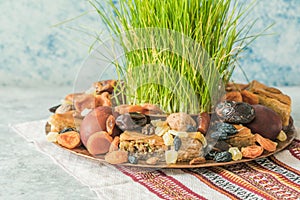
{"points": [[267, 181], [294, 148], [159, 183], [233, 178]]}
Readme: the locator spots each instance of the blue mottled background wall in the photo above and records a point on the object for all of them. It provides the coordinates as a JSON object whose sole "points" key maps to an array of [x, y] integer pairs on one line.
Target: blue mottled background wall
{"points": [[34, 52]]}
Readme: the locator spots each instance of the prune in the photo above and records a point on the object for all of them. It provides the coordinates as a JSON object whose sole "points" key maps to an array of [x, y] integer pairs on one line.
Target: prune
{"points": [[177, 143], [131, 121], [132, 159], [224, 156], [235, 112], [222, 131], [66, 130]]}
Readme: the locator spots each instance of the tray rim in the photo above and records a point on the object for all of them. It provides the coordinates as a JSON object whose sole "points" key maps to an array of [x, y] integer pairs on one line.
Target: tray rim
{"points": [[81, 151]]}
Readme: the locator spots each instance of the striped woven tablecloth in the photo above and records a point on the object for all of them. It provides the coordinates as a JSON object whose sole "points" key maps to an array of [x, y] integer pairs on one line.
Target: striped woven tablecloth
{"points": [[275, 177]]}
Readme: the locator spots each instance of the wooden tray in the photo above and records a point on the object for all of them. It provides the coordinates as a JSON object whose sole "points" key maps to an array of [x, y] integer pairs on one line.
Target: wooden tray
{"points": [[81, 151]]}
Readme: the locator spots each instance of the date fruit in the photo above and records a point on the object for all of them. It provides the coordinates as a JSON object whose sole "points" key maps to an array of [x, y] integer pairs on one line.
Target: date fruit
{"points": [[267, 122]]}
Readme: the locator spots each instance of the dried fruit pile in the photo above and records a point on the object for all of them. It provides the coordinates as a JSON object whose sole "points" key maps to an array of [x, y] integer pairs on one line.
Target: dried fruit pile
{"points": [[248, 121]]}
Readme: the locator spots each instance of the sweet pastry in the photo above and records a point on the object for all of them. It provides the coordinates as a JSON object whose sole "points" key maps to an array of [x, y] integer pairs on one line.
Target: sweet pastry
{"points": [[274, 99], [59, 121], [142, 146]]}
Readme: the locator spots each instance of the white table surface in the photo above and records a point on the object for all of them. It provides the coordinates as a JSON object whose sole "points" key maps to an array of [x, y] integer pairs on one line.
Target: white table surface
{"points": [[27, 174]]}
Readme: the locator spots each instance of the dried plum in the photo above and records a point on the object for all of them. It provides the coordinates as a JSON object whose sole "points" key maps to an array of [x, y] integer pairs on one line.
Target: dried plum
{"points": [[222, 131], [131, 121], [224, 156], [235, 112], [177, 143]]}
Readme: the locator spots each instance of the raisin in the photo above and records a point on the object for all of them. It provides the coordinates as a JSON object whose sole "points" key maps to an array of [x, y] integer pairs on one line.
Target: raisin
{"points": [[224, 156], [66, 130], [177, 143], [190, 128], [132, 159], [211, 154], [236, 153]]}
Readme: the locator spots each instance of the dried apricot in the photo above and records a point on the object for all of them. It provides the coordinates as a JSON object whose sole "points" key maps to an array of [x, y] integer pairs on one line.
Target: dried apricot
{"points": [[70, 139], [114, 146], [267, 144], [110, 124], [252, 151]]}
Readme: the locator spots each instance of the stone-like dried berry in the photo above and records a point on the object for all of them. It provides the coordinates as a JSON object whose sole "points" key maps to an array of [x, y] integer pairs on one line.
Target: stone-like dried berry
{"points": [[177, 143], [224, 156]]}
